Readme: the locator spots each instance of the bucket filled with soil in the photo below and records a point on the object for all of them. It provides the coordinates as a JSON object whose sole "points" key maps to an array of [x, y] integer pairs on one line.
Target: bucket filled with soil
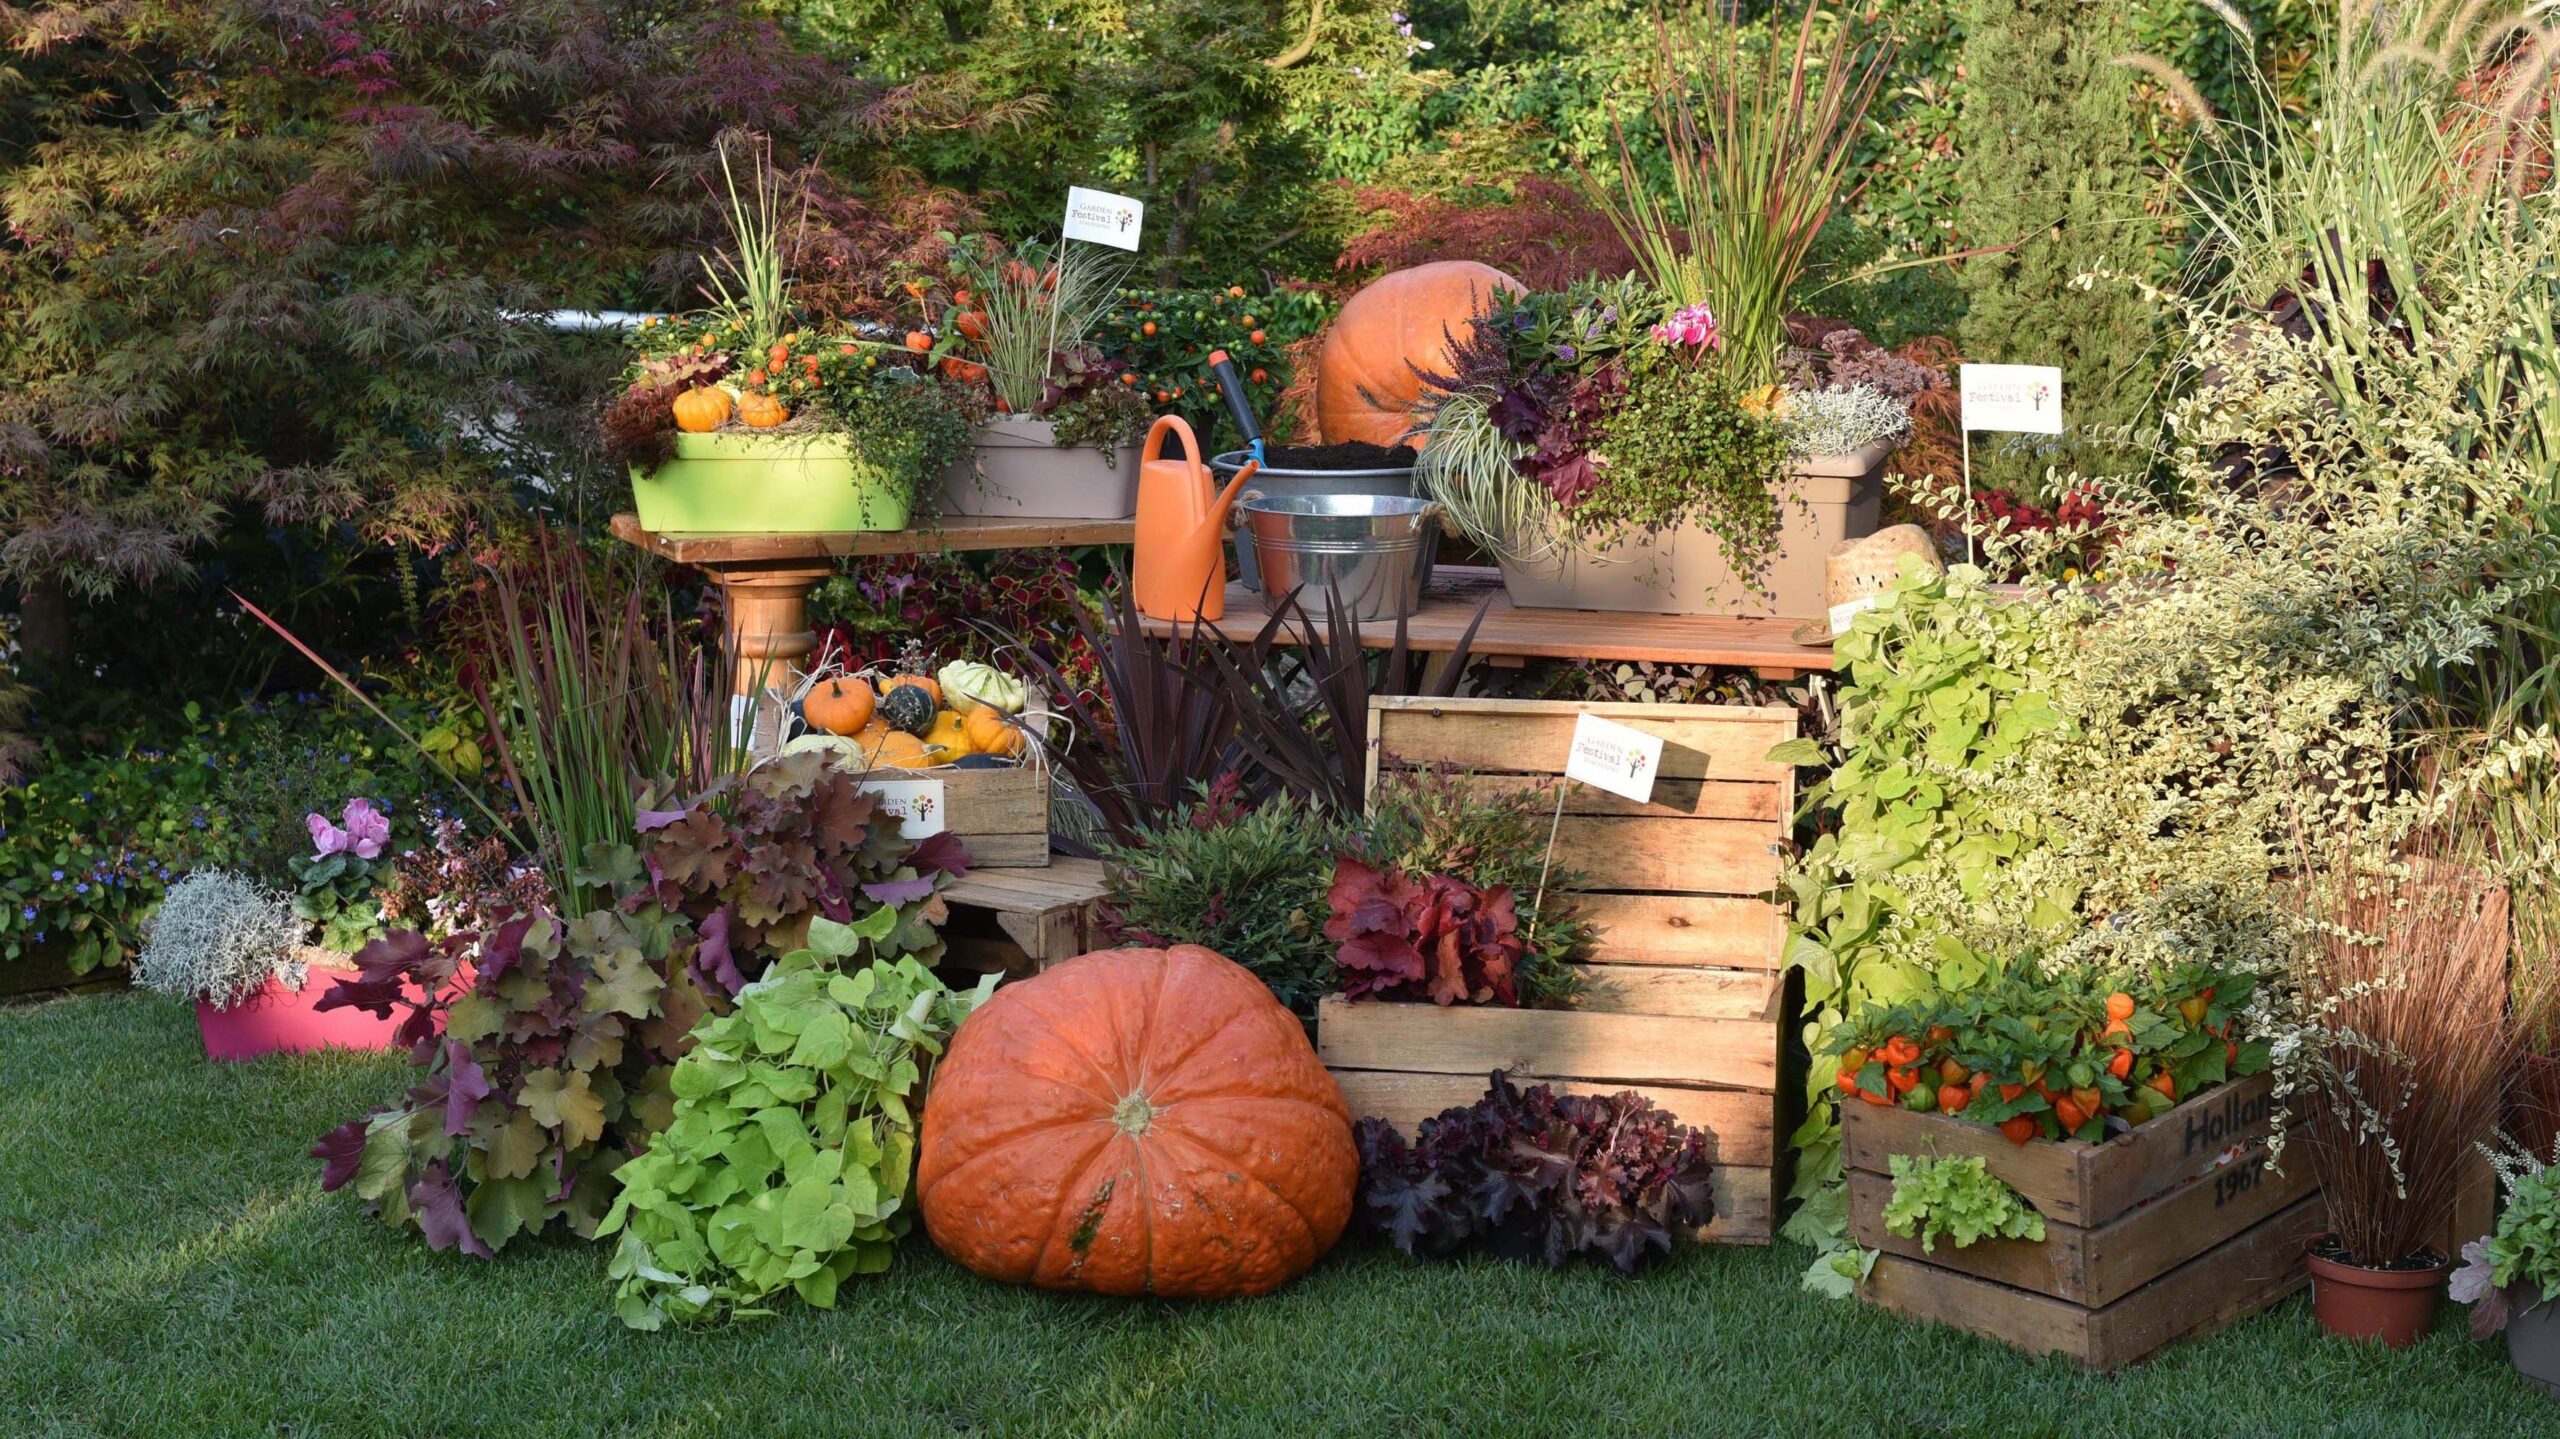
{"points": [[1353, 467]]}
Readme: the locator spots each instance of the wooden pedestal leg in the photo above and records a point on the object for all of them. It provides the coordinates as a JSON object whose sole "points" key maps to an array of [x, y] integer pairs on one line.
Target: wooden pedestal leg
{"points": [[768, 607]]}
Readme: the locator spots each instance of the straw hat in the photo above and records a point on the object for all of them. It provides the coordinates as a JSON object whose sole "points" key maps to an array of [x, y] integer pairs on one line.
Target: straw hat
{"points": [[1859, 570]]}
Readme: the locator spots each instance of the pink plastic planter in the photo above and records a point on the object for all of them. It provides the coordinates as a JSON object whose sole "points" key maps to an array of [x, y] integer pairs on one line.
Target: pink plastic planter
{"points": [[277, 1020]]}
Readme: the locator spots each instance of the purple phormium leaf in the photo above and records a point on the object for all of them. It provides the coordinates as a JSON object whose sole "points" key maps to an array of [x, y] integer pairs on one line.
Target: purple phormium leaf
{"points": [[900, 891], [944, 853], [465, 1087], [437, 1202], [340, 1151], [714, 967]]}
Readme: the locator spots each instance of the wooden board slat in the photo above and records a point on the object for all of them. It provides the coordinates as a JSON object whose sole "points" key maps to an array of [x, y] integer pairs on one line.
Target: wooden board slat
{"points": [[1745, 1205], [2095, 1267], [1457, 593], [2227, 1283], [1683, 856], [1681, 929], [1739, 1120], [2083, 1184], [1659, 989], [1672, 798], [1717, 742], [956, 532], [1567, 1044]]}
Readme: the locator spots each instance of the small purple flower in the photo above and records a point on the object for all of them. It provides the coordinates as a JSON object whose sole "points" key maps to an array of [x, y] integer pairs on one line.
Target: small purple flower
{"points": [[365, 832], [1566, 353], [57, 876]]}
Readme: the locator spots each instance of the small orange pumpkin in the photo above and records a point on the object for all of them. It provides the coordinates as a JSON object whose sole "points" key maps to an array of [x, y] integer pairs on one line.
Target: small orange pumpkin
{"points": [[1366, 379], [990, 732], [702, 409], [1138, 1121], [841, 705], [761, 410]]}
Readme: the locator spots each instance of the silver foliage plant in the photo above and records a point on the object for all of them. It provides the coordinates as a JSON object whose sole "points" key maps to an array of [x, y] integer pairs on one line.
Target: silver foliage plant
{"points": [[218, 937], [1843, 419]]}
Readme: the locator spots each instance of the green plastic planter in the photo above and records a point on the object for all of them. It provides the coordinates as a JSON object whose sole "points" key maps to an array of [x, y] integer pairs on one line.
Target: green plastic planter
{"points": [[769, 484]]}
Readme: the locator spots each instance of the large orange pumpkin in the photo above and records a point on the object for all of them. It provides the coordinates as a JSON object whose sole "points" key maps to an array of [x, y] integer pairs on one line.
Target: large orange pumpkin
{"points": [[1366, 383], [1138, 1121]]}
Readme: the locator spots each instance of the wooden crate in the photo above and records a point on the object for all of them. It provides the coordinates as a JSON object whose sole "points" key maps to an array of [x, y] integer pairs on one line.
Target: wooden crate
{"points": [[1018, 922], [1684, 998], [2167, 1231], [1002, 813]]}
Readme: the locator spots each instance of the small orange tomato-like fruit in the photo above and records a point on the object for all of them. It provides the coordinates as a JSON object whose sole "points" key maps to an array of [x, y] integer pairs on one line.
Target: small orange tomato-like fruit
{"points": [[1255, 337], [1148, 328], [919, 341], [1128, 377], [1260, 374], [755, 377], [1161, 397], [844, 349], [1235, 291], [2119, 1005], [779, 353], [1249, 321]]}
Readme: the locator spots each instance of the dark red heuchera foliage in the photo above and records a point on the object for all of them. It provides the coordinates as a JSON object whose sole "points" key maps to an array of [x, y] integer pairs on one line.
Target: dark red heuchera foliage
{"points": [[1437, 938], [1537, 1175], [1546, 236], [544, 1044]]}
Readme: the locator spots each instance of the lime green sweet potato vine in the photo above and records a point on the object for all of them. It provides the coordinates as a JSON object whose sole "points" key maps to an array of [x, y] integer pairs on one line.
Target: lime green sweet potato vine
{"points": [[1928, 872], [794, 1139]]}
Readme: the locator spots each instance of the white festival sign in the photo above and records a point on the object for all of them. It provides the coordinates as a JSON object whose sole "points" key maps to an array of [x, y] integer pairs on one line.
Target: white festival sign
{"points": [[1099, 217]]}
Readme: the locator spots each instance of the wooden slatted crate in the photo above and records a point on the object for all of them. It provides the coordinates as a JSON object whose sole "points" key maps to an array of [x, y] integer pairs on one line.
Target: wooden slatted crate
{"points": [[1684, 997], [2168, 1231]]}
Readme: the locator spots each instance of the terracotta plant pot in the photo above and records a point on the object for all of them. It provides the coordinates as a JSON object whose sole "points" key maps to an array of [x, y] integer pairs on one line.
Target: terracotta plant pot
{"points": [[2533, 1343], [2396, 1306]]}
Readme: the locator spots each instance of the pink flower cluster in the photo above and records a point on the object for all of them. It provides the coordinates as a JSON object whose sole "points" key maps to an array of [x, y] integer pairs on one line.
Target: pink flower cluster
{"points": [[1691, 325], [364, 834]]}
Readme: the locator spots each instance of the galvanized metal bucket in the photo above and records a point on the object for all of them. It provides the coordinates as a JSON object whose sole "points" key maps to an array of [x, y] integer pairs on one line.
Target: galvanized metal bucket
{"points": [[1369, 550], [1276, 482]]}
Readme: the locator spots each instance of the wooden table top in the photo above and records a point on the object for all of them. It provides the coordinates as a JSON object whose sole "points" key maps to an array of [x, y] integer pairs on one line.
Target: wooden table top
{"points": [[954, 532], [1767, 646]]}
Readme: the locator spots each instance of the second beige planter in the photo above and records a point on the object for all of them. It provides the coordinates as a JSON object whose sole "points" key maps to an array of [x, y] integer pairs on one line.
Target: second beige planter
{"points": [[1682, 570], [1017, 470]]}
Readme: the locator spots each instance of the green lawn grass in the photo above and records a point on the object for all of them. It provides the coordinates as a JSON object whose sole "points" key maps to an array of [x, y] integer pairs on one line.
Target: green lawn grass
{"points": [[168, 1267]]}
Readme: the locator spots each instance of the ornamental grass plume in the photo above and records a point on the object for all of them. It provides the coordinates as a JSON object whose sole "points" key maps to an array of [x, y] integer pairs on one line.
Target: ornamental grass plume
{"points": [[2407, 1037]]}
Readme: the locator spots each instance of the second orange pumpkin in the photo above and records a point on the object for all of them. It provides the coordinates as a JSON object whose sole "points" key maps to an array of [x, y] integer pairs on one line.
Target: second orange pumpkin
{"points": [[1366, 376]]}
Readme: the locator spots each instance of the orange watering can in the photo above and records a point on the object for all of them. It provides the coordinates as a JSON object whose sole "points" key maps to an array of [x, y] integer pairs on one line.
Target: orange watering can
{"points": [[1180, 570]]}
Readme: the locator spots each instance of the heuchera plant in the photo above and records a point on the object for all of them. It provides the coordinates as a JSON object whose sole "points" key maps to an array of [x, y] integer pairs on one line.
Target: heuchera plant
{"points": [[1537, 1173], [546, 1046], [752, 860], [1437, 938]]}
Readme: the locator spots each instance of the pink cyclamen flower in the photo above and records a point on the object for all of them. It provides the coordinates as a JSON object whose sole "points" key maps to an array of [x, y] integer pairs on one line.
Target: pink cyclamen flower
{"points": [[1691, 325], [366, 832]]}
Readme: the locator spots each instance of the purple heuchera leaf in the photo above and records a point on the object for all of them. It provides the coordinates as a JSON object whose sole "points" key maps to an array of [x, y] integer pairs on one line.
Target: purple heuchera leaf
{"points": [[501, 951], [437, 1202], [385, 970], [944, 853], [900, 891], [340, 1151], [465, 1087], [653, 819], [714, 967]]}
